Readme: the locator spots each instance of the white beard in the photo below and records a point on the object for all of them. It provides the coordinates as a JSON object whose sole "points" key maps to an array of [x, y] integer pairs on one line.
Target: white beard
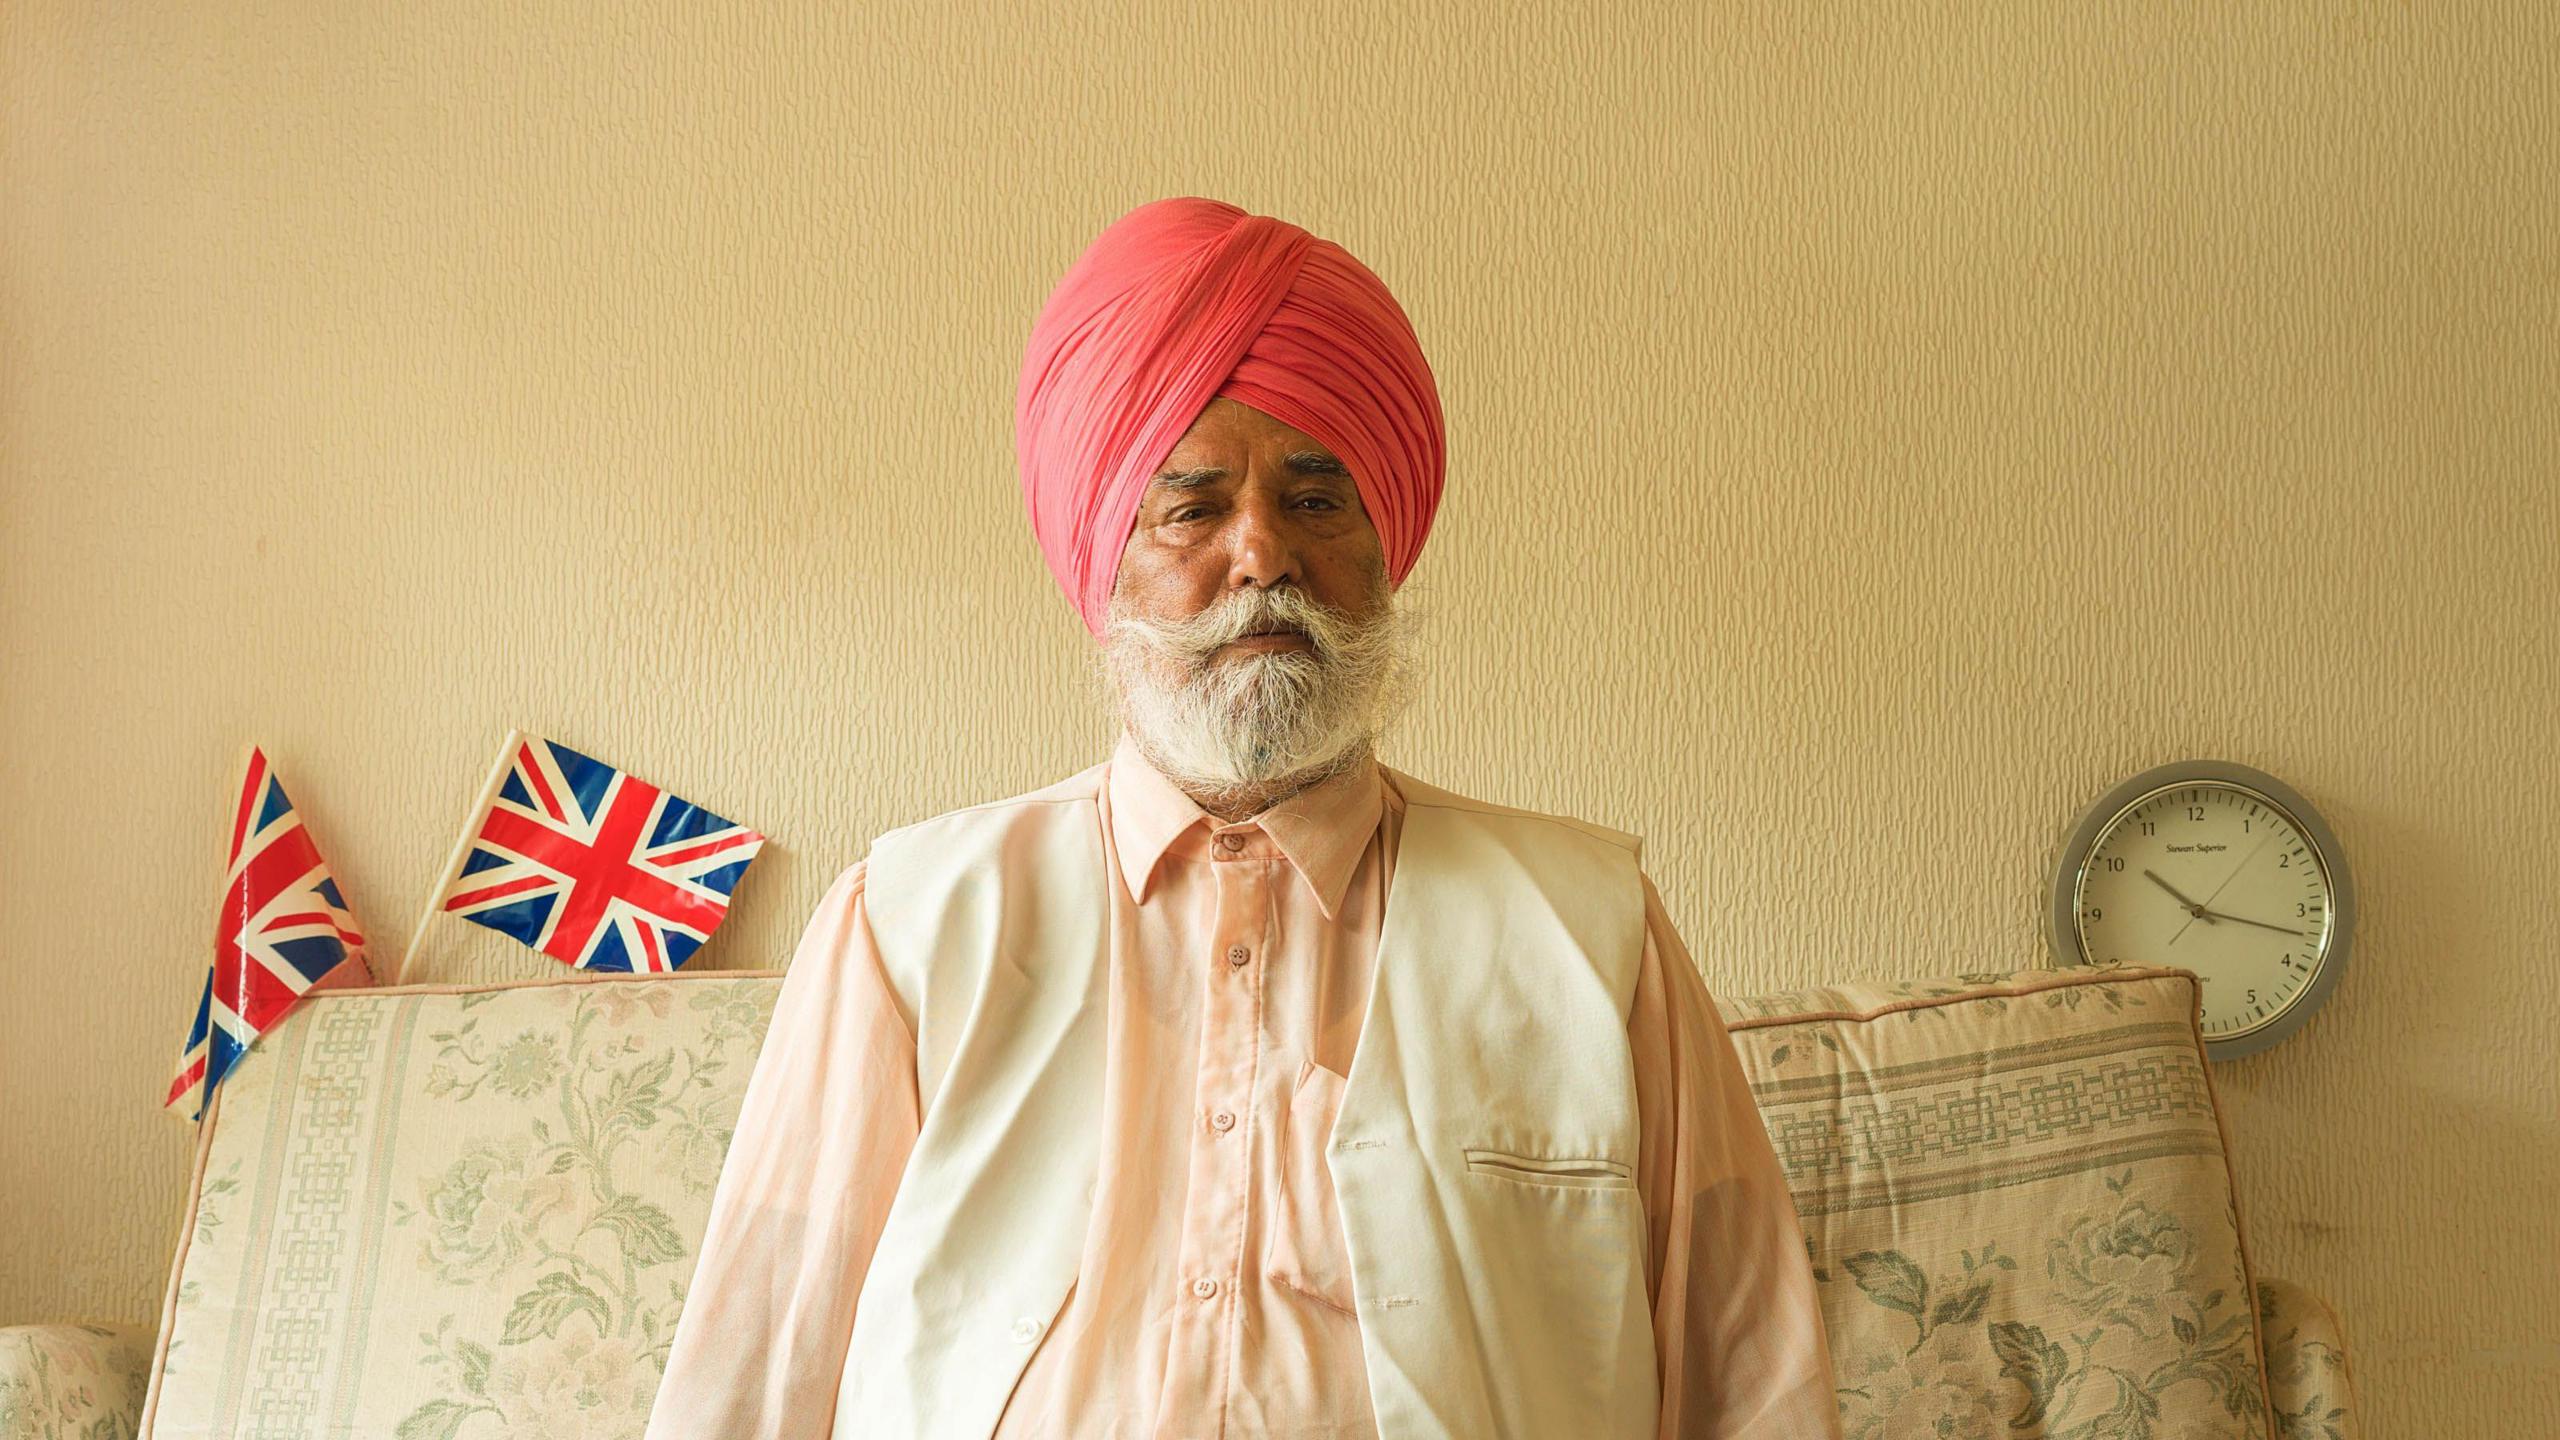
{"points": [[1250, 720]]}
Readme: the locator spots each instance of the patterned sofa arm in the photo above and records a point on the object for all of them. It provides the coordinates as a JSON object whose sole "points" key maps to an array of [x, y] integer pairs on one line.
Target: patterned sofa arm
{"points": [[73, 1382], [2307, 1373]]}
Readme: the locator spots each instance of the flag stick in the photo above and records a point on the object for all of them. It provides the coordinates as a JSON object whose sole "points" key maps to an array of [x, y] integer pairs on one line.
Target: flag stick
{"points": [[461, 850]]}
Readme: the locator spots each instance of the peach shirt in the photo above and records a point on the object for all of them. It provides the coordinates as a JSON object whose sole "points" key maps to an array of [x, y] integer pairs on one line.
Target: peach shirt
{"points": [[1238, 982]]}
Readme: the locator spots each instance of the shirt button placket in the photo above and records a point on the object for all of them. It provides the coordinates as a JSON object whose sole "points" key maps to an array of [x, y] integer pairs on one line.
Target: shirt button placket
{"points": [[1230, 1048]]}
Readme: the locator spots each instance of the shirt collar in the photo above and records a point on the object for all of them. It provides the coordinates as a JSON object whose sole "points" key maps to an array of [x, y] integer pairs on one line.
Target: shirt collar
{"points": [[1322, 829]]}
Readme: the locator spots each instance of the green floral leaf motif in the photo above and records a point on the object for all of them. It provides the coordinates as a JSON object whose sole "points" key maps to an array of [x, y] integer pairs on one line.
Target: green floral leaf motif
{"points": [[1962, 1309], [636, 1093], [553, 1298], [1891, 1280], [2131, 1416], [435, 1420], [475, 1366], [2027, 1357], [648, 1237], [2226, 1367], [110, 1426]]}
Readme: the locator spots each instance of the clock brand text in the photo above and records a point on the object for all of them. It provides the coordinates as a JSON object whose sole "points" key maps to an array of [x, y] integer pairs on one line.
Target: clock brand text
{"points": [[2196, 849]]}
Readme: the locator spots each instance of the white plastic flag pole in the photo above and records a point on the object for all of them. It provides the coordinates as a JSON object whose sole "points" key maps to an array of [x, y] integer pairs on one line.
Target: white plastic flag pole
{"points": [[461, 851]]}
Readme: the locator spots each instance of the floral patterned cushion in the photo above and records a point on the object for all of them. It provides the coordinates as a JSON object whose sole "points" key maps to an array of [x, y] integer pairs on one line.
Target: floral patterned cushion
{"points": [[2017, 1199], [72, 1382], [440, 1212]]}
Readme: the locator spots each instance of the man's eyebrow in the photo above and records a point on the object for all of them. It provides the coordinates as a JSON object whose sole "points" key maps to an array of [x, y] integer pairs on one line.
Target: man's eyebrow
{"points": [[1303, 462]]}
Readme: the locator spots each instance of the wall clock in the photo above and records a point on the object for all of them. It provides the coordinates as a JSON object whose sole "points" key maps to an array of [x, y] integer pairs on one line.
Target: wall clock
{"points": [[2216, 868]]}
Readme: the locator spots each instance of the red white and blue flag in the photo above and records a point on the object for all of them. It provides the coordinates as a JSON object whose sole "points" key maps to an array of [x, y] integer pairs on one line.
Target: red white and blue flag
{"points": [[284, 932], [594, 867]]}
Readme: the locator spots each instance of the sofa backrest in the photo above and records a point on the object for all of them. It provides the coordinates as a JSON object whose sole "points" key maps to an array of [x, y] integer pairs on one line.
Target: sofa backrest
{"points": [[441, 1212]]}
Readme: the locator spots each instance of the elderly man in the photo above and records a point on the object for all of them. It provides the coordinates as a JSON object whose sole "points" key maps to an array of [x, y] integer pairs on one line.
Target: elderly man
{"points": [[1241, 1085]]}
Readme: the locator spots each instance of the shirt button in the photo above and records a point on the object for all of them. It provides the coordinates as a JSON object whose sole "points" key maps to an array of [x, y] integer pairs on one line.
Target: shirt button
{"points": [[1231, 843], [1204, 1287], [1237, 954], [1025, 1330], [1223, 1120]]}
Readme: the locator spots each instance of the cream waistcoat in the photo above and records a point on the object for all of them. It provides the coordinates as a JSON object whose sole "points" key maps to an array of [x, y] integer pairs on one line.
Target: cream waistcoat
{"points": [[1483, 1155]]}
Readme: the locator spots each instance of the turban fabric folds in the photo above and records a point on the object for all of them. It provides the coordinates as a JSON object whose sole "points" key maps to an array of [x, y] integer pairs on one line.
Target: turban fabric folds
{"points": [[1185, 299]]}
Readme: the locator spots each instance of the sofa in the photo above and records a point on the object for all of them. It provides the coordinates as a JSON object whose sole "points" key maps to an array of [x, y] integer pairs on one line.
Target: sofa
{"points": [[452, 1212]]}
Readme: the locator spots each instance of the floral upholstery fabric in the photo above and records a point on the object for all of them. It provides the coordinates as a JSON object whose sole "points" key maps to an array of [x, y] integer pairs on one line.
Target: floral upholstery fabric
{"points": [[431, 1214], [2307, 1371], [72, 1382], [445, 1213], [2015, 1193]]}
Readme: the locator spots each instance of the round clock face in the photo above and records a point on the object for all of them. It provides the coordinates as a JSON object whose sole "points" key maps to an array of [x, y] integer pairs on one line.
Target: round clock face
{"points": [[2220, 876]]}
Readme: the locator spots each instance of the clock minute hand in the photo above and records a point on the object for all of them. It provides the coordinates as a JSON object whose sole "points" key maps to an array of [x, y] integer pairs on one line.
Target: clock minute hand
{"points": [[2192, 907], [2245, 920]]}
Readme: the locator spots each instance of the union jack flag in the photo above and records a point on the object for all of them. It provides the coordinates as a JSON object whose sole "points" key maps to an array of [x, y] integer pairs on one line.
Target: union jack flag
{"points": [[596, 868], [284, 931]]}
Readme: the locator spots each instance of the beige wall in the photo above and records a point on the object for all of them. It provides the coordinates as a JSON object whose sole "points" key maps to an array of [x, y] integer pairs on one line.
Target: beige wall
{"points": [[1870, 439]]}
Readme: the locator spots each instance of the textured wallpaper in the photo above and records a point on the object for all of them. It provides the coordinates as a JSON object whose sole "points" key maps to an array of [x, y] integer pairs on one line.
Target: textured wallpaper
{"points": [[1874, 432]]}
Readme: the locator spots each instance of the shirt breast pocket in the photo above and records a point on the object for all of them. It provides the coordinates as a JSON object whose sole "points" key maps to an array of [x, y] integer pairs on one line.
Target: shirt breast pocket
{"points": [[1306, 1252]]}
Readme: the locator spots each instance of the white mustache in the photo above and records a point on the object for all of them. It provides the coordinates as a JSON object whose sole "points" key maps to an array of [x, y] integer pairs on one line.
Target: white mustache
{"points": [[1247, 612]]}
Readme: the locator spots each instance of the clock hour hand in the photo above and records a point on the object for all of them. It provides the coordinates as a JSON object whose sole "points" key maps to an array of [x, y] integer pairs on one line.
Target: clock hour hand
{"points": [[2261, 924], [2193, 908]]}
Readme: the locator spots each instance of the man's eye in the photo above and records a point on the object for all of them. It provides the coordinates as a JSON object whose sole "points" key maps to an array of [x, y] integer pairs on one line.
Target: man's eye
{"points": [[1185, 513]]}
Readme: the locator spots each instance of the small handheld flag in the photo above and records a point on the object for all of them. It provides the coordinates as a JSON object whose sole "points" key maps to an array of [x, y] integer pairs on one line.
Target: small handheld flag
{"points": [[592, 866], [284, 931]]}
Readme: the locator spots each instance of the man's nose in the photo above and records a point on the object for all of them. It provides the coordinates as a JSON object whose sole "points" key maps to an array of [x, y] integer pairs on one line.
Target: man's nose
{"points": [[1261, 553]]}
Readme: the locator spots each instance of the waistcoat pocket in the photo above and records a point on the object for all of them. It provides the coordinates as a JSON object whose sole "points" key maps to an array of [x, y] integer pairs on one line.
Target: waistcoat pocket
{"points": [[1305, 1251], [1592, 1172]]}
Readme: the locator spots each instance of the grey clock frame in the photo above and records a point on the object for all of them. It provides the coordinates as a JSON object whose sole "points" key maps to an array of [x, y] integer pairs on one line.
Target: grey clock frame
{"points": [[2333, 860]]}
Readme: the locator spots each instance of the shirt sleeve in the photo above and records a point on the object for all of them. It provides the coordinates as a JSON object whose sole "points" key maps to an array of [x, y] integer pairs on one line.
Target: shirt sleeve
{"points": [[1737, 1323], [824, 1131]]}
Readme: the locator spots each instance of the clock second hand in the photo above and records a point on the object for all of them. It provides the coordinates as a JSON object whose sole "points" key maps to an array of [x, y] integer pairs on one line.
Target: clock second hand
{"points": [[2226, 882]]}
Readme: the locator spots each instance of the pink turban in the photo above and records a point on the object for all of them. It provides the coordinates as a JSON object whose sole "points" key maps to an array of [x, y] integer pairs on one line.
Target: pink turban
{"points": [[1185, 299]]}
